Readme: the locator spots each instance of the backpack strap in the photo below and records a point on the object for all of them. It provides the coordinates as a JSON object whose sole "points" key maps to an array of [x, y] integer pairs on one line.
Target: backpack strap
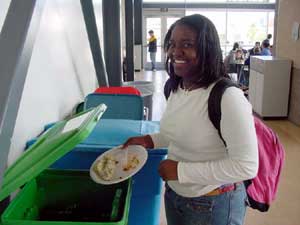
{"points": [[214, 102]]}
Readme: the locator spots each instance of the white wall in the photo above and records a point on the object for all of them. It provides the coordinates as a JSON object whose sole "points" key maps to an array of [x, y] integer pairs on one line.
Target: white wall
{"points": [[4, 4], [60, 74], [99, 21]]}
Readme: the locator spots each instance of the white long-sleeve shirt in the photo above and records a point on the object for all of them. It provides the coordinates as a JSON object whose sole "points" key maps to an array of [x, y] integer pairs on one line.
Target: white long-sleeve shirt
{"points": [[192, 140]]}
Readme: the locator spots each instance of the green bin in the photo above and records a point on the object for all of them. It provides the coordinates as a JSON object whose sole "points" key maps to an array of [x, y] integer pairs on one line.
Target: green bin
{"points": [[62, 197]]}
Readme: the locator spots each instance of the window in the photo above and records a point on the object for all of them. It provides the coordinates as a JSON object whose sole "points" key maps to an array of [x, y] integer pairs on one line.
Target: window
{"points": [[233, 25], [243, 26], [155, 25], [218, 17], [247, 27], [208, 1]]}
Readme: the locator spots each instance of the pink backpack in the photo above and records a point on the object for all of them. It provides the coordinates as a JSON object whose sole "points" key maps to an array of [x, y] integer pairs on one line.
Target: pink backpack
{"points": [[262, 189]]}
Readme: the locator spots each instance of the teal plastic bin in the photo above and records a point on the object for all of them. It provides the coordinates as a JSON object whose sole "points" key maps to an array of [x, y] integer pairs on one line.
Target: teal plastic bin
{"points": [[119, 106], [62, 197]]}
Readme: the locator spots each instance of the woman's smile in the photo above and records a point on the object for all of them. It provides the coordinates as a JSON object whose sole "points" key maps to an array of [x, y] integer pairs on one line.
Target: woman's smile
{"points": [[180, 66], [176, 61]]}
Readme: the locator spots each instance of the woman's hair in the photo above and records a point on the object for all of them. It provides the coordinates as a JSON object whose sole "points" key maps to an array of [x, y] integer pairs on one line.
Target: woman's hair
{"points": [[209, 53], [269, 36], [236, 46], [239, 51], [266, 44]]}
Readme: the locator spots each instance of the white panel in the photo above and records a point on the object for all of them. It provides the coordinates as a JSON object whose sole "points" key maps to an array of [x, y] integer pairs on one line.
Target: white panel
{"points": [[252, 86], [138, 57], [259, 95], [74, 32], [99, 20], [4, 4], [60, 74], [271, 85]]}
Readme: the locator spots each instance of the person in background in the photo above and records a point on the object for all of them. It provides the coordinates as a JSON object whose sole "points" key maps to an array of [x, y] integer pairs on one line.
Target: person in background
{"points": [[245, 52], [239, 60], [203, 177], [271, 49], [257, 51], [266, 49], [231, 58], [256, 48], [152, 48], [268, 39], [239, 56]]}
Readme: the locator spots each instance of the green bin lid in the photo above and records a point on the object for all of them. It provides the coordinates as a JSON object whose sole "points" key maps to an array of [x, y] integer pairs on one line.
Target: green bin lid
{"points": [[53, 144]]}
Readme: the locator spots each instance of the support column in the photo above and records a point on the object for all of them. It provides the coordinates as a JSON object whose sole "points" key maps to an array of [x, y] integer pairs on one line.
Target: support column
{"points": [[112, 40], [129, 40], [138, 19], [92, 31], [138, 33]]}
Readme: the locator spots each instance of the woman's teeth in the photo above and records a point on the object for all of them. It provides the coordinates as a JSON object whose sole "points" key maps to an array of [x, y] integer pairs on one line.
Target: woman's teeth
{"points": [[179, 61]]}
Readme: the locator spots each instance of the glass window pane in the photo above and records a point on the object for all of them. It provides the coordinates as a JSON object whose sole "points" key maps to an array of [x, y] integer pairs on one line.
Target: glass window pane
{"points": [[208, 1], [243, 26], [271, 25], [218, 17], [183, 1], [248, 27], [171, 20]]}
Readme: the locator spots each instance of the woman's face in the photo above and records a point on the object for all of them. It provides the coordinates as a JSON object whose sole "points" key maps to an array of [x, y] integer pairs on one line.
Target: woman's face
{"points": [[183, 51]]}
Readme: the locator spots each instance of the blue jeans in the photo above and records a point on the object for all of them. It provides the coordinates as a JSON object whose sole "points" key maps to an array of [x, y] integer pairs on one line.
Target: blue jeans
{"points": [[228, 208], [153, 59]]}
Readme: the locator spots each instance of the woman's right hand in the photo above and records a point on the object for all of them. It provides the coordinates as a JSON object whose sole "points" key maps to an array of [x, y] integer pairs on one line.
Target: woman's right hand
{"points": [[145, 141]]}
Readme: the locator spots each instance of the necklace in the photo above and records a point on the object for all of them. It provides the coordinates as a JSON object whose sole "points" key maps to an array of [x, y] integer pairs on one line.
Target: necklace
{"points": [[190, 87]]}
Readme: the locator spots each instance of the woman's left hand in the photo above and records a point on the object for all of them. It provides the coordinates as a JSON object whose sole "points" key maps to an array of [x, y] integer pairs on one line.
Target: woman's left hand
{"points": [[168, 170]]}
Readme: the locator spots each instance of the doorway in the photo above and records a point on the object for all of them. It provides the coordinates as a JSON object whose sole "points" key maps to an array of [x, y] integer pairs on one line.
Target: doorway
{"points": [[159, 22]]}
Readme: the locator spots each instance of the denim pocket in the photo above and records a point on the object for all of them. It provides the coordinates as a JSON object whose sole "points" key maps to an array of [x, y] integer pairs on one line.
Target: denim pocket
{"points": [[241, 188], [200, 204]]}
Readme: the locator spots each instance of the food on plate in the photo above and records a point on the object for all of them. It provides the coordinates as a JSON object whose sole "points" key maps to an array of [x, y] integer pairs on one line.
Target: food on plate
{"points": [[106, 167], [132, 162]]}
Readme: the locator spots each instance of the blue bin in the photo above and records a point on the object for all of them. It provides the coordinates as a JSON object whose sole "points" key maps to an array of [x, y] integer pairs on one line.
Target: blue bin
{"points": [[147, 185]]}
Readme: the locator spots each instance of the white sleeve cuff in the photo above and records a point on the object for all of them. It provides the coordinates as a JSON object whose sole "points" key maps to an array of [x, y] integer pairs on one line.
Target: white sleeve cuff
{"points": [[159, 140]]}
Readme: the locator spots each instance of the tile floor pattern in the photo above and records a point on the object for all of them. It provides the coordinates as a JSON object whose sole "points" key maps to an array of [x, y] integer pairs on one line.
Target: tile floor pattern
{"points": [[286, 208]]}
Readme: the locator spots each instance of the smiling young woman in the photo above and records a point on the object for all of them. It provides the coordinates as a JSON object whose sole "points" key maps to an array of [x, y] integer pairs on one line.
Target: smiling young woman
{"points": [[203, 177]]}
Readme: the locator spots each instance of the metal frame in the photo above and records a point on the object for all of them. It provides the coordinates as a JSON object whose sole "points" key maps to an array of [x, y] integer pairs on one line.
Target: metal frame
{"points": [[16, 45], [163, 15], [210, 5]]}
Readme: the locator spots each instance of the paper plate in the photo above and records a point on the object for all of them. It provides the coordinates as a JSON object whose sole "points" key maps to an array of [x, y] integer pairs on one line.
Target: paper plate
{"points": [[137, 157]]}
